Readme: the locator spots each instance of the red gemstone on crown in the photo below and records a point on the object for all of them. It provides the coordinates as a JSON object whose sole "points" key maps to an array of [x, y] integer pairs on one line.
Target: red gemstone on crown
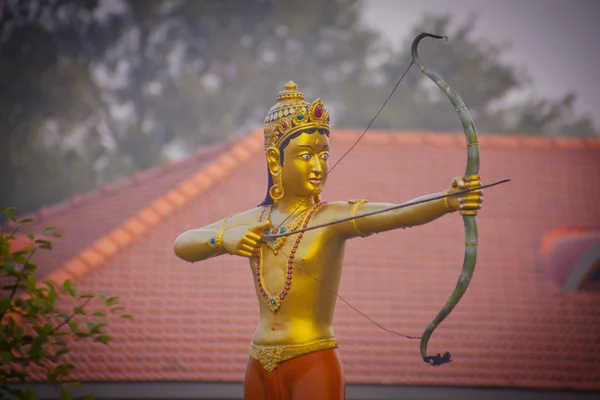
{"points": [[318, 111], [284, 125]]}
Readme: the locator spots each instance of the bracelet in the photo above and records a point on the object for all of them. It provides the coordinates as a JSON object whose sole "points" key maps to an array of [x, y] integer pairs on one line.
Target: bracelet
{"points": [[447, 204], [217, 241]]}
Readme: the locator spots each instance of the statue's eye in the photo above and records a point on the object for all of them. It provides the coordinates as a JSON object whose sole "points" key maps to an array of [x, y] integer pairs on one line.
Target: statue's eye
{"points": [[325, 156], [305, 156]]}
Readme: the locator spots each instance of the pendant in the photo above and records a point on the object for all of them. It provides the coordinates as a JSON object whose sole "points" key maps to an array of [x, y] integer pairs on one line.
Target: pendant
{"points": [[274, 304]]}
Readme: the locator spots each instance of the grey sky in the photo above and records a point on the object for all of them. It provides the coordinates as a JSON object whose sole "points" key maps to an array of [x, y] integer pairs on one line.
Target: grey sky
{"points": [[557, 41]]}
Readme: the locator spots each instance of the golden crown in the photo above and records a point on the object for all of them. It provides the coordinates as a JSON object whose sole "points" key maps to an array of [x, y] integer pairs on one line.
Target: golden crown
{"points": [[292, 114]]}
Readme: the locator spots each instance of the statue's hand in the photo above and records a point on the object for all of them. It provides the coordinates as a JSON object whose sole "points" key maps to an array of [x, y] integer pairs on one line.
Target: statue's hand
{"points": [[244, 240], [469, 201]]}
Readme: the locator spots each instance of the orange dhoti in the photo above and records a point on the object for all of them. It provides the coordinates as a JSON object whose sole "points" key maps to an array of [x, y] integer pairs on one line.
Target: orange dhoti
{"points": [[314, 376]]}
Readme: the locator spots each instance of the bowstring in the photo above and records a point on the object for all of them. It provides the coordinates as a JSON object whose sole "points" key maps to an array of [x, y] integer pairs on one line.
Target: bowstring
{"points": [[298, 264], [350, 305], [353, 145]]}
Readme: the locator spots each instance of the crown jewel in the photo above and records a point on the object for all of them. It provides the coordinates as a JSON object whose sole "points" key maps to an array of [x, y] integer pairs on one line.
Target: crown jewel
{"points": [[292, 114]]}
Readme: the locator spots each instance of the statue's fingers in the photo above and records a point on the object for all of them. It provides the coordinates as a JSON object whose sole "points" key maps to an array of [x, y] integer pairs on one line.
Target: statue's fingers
{"points": [[471, 199], [459, 183], [245, 253], [250, 240], [247, 247], [253, 236], [470, 206]]}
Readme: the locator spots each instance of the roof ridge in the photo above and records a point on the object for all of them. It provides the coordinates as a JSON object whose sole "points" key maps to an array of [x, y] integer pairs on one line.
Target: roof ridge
{"points": [[456, 139], [163, 207], [140, 177]]}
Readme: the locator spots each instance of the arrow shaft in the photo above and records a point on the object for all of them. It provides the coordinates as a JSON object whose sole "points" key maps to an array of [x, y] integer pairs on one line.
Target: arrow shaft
{"points": [[396, 207]]}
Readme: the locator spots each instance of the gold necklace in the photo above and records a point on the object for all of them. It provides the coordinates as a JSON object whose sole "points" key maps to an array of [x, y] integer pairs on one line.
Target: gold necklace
{"points": [[274, 301], [277, 243]]}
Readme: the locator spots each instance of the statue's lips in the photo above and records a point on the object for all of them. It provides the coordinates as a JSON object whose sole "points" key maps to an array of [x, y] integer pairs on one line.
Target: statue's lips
{"points": [[314, 181]]}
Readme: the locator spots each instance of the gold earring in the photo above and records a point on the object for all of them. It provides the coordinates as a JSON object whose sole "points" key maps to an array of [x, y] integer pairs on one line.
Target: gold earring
{"points": [[276, 190]]}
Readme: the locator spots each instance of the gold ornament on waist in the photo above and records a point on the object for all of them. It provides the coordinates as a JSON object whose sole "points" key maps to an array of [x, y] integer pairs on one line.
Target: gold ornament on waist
{"points": [[292, 114], [270, 356]]}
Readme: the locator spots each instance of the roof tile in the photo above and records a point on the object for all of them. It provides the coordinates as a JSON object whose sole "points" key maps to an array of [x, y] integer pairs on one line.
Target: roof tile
{"points": [[512, 327], [121, 237], [135, 227], [106, 247], [76, 268], [153, 215], [569, 143], [176, 199], [91, 258]]}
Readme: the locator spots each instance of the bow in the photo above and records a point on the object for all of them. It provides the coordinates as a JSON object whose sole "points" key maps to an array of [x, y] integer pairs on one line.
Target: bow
{"points": [[470, 223]]}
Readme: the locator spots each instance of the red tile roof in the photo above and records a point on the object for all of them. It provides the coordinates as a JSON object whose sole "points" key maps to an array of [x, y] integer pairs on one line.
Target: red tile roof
{"points": [[512, 328], [99, 221]]}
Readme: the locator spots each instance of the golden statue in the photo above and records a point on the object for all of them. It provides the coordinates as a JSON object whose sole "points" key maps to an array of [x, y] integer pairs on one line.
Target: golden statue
{"points": [[296, 311]]}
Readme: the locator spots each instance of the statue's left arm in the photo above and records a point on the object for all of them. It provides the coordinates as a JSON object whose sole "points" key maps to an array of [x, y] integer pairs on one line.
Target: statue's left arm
{"points": [[410, 216]]}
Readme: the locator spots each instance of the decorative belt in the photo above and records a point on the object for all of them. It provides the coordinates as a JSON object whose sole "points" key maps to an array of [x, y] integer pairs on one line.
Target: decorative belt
{"points": [[270, 356]]}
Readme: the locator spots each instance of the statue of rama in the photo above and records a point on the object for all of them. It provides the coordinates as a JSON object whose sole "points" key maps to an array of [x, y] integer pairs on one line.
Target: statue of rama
{"points": [[294, 352]]}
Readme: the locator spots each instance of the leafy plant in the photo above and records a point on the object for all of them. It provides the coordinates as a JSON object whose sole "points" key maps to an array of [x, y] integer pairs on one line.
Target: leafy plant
{"points": [[36, 329]]}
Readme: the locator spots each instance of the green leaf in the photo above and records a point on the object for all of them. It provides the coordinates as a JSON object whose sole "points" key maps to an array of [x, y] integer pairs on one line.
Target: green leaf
{"points": [[65, 369], [117, 309], [6, 356], [26, 220], [99, 314], [95, 328], [30, 236], [127, 316], [52, 377], [31, 282], [10, 215], [62, 351], [64, 315], [48, 230], [5, 304], [79, 310], [86, 296], [101, 296], [29, 394], [73, 326], [48, 328], [102, 338], [35, 351], [44, 244], [112, 300], [68, 284], [65, 394]]}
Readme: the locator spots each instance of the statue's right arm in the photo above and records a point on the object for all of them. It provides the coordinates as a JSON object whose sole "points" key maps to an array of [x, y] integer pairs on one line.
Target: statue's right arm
{"points": [[239, 235], [194, 245]]}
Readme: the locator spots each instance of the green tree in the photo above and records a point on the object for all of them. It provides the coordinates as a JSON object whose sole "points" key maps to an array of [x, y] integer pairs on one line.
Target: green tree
{"points": [[472, 66], [36, 328], [48, 99]]}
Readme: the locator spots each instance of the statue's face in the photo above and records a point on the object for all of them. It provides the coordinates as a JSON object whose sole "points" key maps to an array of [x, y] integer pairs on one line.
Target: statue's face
{"points": [[305, 164]]}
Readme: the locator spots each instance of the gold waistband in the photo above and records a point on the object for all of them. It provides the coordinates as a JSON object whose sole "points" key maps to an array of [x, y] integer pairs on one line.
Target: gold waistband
{"points": [[270, 356]]}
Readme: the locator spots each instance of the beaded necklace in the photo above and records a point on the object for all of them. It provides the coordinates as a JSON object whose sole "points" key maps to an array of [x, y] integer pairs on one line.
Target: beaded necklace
{"points": [[274, 301], [277, 243]]}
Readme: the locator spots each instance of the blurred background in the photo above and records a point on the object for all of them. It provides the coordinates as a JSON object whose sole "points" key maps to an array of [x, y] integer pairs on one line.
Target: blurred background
{"points": [[124, 123], [93, 91]]}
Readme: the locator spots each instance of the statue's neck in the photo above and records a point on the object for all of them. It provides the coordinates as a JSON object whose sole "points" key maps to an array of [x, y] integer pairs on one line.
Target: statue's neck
{"points": [[285, 207]]}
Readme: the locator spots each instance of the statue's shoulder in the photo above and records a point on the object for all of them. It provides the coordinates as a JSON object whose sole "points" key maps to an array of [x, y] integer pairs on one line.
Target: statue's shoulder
{"points": [[344, 205], [248, 217]]}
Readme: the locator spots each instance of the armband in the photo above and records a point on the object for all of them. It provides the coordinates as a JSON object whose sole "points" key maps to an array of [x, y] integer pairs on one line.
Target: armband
{"points": [[357, 204]]}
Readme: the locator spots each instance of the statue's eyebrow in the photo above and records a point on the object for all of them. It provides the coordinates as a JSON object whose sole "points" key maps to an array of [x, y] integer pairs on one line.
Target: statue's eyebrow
{"points": [[326, 146]]}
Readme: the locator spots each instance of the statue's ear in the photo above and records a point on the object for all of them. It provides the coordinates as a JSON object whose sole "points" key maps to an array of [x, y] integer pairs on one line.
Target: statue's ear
{"points": [[273, 157]]}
